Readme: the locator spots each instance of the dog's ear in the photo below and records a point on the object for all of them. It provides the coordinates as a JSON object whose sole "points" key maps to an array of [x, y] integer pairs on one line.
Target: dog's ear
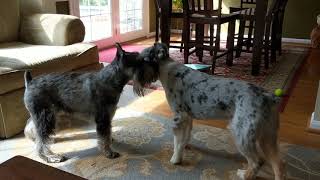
{"points": [[152, 55], [120, 51]]}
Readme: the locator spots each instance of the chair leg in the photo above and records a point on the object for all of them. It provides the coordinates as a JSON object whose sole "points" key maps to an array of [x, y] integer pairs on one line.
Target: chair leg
{"points": [[199, 40], [279, 41], [217, 42], [186, 40], [216, 48], [250, 32], [157, 28], [230, 42], [281, 14], [182, 40], [266, 43], [211, 38], [240, 38], [274, 38], [213, 66]]}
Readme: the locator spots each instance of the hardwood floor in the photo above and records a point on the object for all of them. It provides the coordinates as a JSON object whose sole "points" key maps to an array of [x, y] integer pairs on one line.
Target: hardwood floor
{"points": [[295, 118]]}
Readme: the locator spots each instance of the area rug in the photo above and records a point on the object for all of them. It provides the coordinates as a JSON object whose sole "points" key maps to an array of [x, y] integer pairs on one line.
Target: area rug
{"points": [[145, 143], [279, 75], [107, 55]]}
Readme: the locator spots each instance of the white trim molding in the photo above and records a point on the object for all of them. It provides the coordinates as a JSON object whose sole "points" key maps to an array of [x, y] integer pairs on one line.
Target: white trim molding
{"points": [[225, 34], [314, 123], [315, 118], [294, 40]]}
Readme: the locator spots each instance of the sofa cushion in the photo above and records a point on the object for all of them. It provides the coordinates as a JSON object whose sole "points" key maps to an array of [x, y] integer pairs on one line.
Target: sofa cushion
{"points": [[15, 57], [9, 20], [51, 29]]}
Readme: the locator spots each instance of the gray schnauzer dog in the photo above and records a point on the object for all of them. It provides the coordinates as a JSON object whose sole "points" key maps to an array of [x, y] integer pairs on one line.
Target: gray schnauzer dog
{"points": [[254, 119], [95, 94]]}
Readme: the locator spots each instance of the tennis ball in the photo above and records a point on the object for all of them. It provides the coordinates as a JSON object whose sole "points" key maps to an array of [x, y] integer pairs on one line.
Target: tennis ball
{"points": [[278, 92]]}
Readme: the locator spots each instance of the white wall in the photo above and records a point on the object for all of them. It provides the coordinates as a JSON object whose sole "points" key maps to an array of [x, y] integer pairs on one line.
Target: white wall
{"points": [[49, 6], [38, 6]]}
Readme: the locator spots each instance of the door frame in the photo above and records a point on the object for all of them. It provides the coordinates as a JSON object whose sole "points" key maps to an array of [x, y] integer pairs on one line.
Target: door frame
{"points": [[116, 36]]}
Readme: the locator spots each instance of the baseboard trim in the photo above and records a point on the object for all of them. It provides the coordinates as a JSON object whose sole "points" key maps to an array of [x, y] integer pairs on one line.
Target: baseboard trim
{"points": [[294, 40], [151, 34], [178, 31], [224, 35], [314, 124]]}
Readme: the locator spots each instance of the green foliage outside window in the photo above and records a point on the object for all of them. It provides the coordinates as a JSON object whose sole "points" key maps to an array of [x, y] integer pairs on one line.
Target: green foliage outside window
{"points": [[94, 2], [177, 4]]}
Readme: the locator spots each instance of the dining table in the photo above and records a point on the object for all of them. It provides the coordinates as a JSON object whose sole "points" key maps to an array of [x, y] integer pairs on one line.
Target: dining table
{"points": [[260, 13]]}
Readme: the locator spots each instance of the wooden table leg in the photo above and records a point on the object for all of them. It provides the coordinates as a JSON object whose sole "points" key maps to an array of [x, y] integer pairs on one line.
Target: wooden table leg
{"points": [[261, 9], [230, 42], [199, 40], [166, 6]]}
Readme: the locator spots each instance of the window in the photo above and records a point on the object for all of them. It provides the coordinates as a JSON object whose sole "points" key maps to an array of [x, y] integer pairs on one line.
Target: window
{"points": [[96, 16]]}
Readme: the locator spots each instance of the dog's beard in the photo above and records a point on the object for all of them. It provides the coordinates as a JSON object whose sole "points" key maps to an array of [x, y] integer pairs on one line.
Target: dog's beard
{"points": [[138, 87], [142, 78]]}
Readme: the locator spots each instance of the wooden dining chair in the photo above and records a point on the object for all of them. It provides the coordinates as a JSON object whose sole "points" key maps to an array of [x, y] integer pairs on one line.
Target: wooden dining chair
{"points": [[248, 4], [247, 9], [277, 23], [200, 13], [273, 28], [176, 15]]}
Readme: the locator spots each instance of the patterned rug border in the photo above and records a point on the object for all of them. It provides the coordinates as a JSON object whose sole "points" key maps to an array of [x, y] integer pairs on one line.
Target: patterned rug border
{"points": [[293, 77], [145, 143]]}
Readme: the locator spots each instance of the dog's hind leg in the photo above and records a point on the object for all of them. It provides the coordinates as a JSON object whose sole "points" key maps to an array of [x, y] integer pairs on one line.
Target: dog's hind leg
{"points": [[269, 145], [45, 124], [103, 120], [182, 134], [30, 130], [245, 139]]}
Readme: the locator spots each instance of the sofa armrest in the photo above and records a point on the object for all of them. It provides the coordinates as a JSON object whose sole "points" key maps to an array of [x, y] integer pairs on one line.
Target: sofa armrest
{"points": [[51, 29]]}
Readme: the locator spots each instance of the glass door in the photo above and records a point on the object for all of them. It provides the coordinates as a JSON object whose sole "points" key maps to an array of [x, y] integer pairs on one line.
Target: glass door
{"points": [[132, 17], [97, 17], [110, 21]]}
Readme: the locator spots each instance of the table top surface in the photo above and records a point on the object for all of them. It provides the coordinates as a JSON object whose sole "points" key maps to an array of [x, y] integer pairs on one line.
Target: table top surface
{"points": [[19, 167]]}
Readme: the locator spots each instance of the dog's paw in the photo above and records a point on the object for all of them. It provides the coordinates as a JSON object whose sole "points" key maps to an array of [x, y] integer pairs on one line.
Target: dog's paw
{"points": [[55, 158], [175, 160], [112, 155], [241, 174], [188, 147]]}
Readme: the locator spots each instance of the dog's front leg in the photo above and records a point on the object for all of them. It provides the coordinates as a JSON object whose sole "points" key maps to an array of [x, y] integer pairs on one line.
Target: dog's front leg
{"points": [[182, 132], [103, 120]]}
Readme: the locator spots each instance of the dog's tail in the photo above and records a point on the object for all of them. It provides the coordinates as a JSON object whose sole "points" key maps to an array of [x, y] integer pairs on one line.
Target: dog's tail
{"points": [[27, 78], [276, 99], [273, 99]]}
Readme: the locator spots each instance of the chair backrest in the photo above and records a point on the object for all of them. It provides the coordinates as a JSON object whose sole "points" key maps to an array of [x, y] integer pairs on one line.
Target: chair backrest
{"points": [[204, 7], [247, 3]]}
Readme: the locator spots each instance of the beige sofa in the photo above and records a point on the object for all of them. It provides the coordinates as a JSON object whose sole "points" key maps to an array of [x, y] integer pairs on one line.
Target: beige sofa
{"points": [[41, 42]]}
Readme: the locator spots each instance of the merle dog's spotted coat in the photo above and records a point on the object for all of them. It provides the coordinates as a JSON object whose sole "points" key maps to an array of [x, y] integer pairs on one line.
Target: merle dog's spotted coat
{"points": [[252, 110], [95, 94]]}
